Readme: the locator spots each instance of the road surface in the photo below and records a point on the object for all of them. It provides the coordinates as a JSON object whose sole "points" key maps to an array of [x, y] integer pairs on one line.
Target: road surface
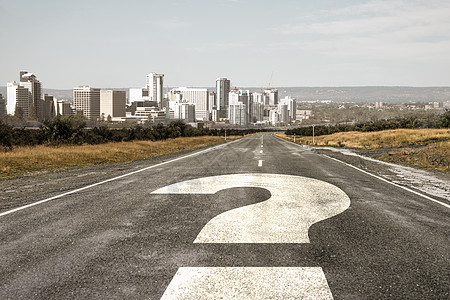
{"points": [[254, 218]]}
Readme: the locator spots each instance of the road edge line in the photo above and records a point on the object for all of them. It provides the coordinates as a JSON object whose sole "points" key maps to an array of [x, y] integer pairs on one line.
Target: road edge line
{"points": [[378, 177], [390, 182], [114, 178]]}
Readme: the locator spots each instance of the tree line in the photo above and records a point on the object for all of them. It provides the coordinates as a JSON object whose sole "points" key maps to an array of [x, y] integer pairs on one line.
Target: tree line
{"points": [[416, 121], [73, 130]]}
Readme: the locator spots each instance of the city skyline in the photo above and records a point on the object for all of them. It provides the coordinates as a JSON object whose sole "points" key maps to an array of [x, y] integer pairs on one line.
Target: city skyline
{"points": [[288, 43]]}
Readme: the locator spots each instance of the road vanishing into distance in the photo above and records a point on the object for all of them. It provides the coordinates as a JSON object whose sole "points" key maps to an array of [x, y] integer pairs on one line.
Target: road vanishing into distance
{"points": [[255, 218]]}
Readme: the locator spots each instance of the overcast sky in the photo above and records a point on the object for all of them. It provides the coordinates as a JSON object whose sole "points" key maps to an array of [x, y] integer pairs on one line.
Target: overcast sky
{"points": [[294, 42]]}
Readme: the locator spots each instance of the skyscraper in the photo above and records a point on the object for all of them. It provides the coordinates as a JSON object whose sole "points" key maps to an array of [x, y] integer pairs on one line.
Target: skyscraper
{"points": [[155, 85], [222, 90], [112, 103], [87, 101], [18, 99], [34, 86], [197, 96], [237, 114], [271, 96]]}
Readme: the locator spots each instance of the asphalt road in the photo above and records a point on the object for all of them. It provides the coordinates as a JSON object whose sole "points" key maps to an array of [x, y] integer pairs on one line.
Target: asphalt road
{"points": [[122, 240]]}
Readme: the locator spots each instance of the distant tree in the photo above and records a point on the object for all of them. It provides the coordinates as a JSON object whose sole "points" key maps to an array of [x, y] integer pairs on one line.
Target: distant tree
{"points": [[19, 113], [5, 136], [32, 112], [66, 129]]}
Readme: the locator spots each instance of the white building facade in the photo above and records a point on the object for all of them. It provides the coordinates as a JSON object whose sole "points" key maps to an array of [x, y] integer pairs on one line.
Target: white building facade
{"points": [[87, 101], [112, 103], [197, 96]]}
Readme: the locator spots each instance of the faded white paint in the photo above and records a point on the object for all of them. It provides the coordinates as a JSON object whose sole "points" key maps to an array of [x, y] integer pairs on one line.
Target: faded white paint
{"points": [[295, 204], [260, 163], [248, 283]]}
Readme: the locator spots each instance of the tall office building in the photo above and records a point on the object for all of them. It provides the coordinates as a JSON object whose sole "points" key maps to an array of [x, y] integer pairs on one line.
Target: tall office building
{"points": [[138, 94], [212, 106], [34, 86], [236, 97], [24, 96], [257, 112], [223, 88], [87, 101], [2, 106], [271, 97], [11, 97], [47, 109], [292, 107], [237, 114], [283, 112], [197, 96], [112, 103], [185, 112], [62, 107], [18, 98], [155, 85]]}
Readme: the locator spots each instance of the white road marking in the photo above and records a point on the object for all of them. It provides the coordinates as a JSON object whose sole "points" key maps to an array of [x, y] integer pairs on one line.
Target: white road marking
{"points": [[261, 151], [115, 178], [295, 204], [248, 283], [260, 163], [393, 183], [262, 146], [378, 177]]}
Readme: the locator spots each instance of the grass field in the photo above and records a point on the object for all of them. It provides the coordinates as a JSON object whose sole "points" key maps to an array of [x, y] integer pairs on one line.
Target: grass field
{"points": [[31, 160], [376, 140], [433, 156], [424, 148]]}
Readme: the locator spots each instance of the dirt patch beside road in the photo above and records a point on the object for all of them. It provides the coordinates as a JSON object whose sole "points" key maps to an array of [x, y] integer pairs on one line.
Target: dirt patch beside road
{"points": [[434, 183]]}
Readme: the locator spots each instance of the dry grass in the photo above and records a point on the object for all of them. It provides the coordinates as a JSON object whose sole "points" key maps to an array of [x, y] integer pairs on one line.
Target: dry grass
{"points": [[26, 160], [377, 140], [424, 148], [434, 156]]}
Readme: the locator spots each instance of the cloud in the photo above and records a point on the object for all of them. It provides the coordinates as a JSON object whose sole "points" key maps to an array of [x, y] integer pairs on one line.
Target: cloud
{"points": [[377, 29]]}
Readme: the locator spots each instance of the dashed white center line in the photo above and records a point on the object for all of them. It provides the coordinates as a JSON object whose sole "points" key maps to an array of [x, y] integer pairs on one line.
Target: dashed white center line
{"points": [[261, 151], [260, 163], [262, 146]]}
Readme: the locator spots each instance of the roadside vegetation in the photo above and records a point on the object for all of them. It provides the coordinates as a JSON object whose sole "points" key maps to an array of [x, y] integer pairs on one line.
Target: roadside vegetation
{"points": [[72, 130], [385, 139], [410, 122], [66, 142], [424, 148], [47, 158]]}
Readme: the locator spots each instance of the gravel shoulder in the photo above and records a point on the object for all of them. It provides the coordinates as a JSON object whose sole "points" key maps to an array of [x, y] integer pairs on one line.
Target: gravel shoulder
{"points": [[434, 183]]}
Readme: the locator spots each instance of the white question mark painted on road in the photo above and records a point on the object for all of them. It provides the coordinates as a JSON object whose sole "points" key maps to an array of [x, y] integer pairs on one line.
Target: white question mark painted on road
{"points": [[295, 204]]}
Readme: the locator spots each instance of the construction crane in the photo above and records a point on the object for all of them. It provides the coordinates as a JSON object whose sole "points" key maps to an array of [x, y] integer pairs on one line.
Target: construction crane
{"points": [[270, 81], [268, 86]]}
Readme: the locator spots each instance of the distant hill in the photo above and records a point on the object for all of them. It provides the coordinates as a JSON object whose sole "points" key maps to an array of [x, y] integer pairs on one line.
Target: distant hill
{"points": [[369, 94]]}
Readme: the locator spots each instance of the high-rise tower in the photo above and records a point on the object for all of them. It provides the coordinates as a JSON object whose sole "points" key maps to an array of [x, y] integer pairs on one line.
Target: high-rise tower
{"points": [[87, 101], [155, 85], [34, 86], [222, 90]]}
